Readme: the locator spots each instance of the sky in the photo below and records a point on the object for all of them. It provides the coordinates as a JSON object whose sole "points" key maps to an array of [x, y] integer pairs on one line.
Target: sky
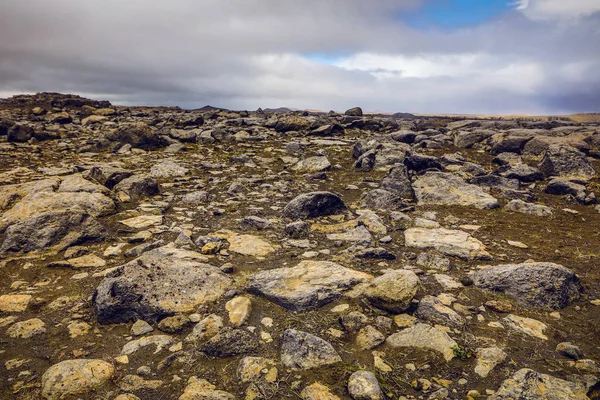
{"points": [[421, 56]]}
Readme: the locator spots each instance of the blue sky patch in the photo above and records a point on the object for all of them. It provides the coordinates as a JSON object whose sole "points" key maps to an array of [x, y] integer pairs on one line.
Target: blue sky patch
{"points": [[455, 14]]}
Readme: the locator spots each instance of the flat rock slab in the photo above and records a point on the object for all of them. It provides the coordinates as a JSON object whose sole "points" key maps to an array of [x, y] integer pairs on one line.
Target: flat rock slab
{"points": [[38, 203], [544, 285], [160, 283], [143, 221], [528, 326], [439, 188], [424, 336], [531, 385], [449, 242], [312, 164], [246, 245], [308, 285]]}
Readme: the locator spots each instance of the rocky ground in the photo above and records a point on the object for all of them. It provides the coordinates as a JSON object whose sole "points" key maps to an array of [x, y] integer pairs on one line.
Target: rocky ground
{"points": [[158, 253]]}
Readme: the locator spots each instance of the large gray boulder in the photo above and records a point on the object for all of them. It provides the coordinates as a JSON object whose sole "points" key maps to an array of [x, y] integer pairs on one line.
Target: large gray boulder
{"points": [[566, 162], [439, 188], [302, 350], [158, 284], [308, 285], [141, 136], [544, 285], [398, 182], [315, 204], [528, 384], [59, 229], [37, 203]]}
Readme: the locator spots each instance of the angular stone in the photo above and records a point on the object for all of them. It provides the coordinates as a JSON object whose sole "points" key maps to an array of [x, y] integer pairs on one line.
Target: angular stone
{"points": [[230, 342], [301, 351], [39, 203], [369, 337], [431, 309], [528, 326], [393, 291], [308, 285], [424, 336], [544, 285], [205, 329], [487, 359], [449, 242], [312, 205], [239, 309]]}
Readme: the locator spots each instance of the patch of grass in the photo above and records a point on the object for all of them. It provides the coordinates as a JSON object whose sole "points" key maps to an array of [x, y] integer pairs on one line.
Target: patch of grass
{"points": [[463, 353]]}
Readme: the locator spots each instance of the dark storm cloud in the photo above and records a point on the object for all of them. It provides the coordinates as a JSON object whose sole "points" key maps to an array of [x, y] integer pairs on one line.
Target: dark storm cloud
{"points": [[251, 53]]}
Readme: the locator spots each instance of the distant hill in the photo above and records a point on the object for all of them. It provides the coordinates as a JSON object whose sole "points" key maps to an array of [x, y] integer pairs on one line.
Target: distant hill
{"points": [[278, 110], [209, 108]]}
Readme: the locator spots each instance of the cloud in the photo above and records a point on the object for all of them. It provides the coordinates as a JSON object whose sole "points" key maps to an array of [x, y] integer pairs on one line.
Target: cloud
{"points": [[558, 9], [247, 54]]}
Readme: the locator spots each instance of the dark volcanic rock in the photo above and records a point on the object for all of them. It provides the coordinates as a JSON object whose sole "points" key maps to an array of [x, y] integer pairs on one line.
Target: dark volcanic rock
{"points": [[141, 136], [229, 343], [544, 285], [315, 204], [19, 133], [354, 112], [158, 284]]}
